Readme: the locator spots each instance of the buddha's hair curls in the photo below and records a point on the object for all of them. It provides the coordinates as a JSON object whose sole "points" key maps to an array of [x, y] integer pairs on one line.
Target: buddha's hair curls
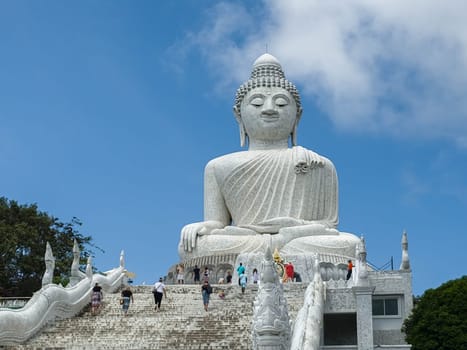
{"points": [[266, 75]]}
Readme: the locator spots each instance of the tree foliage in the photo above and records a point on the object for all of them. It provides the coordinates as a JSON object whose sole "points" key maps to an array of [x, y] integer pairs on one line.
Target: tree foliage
{"points": [[24, 231], [439, 321]]}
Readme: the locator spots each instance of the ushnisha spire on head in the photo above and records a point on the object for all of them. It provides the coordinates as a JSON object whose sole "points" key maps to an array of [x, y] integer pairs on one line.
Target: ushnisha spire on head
{"points": [[267, 72]]}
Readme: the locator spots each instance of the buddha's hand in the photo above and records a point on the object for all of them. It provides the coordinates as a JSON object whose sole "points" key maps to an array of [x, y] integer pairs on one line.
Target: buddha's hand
{"points": [[308, 228], [191, 231], [275, 224]]}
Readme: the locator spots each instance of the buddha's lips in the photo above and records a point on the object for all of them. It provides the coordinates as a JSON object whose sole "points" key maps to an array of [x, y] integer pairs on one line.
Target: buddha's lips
{"points": [[269, 118]]}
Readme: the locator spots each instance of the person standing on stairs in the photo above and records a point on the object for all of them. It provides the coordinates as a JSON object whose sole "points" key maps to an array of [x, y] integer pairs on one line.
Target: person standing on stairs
{"points": [[180, 274], [255, 276], [206, 291], [196, 272], [350, 266], [158, 291], [240, 271], [289, 272], [96, 299], [206, 274], [127, 296], [243, 280], [228, 279]]}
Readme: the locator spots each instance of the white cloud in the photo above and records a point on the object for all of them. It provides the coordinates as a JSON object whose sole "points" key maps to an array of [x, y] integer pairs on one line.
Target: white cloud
{"points": [[393, 67]]}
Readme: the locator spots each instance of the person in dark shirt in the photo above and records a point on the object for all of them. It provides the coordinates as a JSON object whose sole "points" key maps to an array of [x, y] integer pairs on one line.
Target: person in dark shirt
{"points": [[206, 291], [127, 296], [196, 272], [228, 279]]}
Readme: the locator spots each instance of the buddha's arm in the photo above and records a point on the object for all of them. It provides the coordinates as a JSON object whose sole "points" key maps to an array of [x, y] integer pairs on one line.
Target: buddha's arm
{"points": [[216, 215], [214, 203], [331, 201]]}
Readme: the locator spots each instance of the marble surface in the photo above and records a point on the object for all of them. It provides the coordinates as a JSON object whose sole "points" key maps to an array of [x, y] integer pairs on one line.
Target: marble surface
{"points": [[275, 192]]}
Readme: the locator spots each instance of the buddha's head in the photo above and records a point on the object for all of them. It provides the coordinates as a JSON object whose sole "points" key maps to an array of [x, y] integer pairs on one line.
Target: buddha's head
{"points": [[267, 106]]}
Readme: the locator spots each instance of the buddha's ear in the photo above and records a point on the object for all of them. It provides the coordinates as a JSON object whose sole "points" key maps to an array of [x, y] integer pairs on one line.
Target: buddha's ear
{"points": [[295, 127], [237, 114], [240, 125]]}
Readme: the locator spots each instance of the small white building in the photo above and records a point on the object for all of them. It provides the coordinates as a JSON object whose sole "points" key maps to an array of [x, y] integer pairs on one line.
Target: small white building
{"points": [[368, 317], [364, 312]]}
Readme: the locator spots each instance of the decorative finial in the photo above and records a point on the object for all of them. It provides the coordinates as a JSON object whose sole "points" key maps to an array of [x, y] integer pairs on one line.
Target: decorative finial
{"points": [[76, 275], [362, 271], [277, 256], [122, 259], [48, 253], [75, 246], [362, 246], [316, 270], [89, 268], [405, 262], [49, 265]]}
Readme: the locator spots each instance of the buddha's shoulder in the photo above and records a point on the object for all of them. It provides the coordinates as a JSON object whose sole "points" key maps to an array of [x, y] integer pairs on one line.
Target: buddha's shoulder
{"points": [[242, 156], [326, 162], [230, 160]]}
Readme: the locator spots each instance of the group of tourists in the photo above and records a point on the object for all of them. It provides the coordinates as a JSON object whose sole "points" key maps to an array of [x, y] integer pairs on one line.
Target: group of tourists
{"points": [[158, 291], [159, 288], [126, 297], [97, 297], [206, 288]]}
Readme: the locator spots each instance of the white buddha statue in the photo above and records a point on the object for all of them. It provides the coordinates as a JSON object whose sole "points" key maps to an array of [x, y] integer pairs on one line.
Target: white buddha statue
{"points": [[271, 192]]}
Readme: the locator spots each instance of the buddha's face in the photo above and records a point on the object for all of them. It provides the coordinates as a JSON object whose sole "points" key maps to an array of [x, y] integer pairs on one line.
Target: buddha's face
{"points": [[268, 114]]}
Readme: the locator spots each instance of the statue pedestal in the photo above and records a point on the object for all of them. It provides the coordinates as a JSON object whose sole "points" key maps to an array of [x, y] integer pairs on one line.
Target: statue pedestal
{"points": [[218, 265], [332, 267]]}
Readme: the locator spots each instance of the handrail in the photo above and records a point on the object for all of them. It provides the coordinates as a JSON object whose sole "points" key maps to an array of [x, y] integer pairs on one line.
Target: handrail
{"points": [[53, 301], [13, 302], [385, 266]]}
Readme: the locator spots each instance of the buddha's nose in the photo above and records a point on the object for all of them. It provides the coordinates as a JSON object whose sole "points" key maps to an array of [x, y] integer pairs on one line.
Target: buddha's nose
{"points": [[268, 107]]}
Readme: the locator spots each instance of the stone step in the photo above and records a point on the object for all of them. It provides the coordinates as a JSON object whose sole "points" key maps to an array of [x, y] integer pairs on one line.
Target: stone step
{"points": [[182, 322]]}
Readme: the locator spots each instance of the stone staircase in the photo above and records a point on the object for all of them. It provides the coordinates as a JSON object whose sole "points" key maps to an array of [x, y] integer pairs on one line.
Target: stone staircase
{"points": [[182, 322]]}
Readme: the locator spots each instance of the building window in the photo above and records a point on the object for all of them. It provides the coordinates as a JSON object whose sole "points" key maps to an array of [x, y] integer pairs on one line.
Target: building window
{"points": [[386, 306], [340, 329]]}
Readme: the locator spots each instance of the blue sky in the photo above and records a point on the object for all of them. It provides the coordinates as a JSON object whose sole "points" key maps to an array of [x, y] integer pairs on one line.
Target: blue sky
{"points": [[109, 111]]}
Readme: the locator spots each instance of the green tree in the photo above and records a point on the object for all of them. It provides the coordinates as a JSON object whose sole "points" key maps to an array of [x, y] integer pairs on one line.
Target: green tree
{"points": [[438, 320], [24, 231]]}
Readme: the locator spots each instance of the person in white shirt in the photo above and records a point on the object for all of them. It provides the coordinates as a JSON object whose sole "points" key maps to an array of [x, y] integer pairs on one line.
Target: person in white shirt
{"points": [[158, 291]]}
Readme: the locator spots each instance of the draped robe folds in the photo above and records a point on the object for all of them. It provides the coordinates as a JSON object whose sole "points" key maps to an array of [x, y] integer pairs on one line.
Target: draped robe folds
{"points": [[293, 183], [256, 186]]}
